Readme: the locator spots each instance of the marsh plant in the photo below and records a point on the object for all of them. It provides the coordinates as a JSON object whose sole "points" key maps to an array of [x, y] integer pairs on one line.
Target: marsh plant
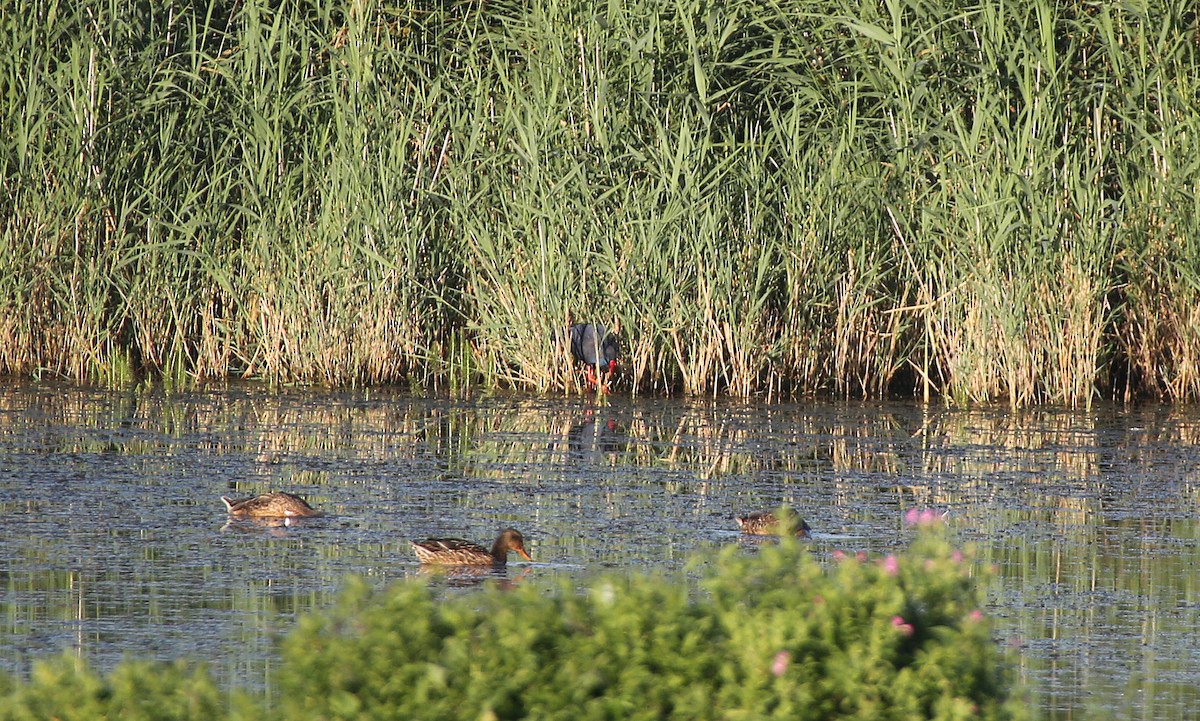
{"points": [[978, 200], [775, 634], [772, 635]]}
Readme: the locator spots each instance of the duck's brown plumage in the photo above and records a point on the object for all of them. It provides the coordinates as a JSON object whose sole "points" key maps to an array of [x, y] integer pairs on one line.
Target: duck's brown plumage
{"points": [[457, 552], [270, 505], [767, 523]]}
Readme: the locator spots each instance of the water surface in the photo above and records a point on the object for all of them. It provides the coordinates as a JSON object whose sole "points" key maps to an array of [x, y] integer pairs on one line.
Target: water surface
{"points": [[115, 542]]}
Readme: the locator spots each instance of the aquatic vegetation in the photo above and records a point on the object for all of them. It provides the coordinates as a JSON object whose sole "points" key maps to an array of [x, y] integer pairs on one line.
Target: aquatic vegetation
{"points": [[961, 198]]}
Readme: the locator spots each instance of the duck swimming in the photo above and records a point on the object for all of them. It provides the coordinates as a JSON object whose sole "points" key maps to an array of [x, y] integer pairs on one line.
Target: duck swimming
{"points": [[270, 505], [457, 552], [766, 523]]}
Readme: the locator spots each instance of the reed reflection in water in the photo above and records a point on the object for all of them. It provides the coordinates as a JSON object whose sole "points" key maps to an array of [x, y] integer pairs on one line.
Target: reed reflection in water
{"points": [[115, 542]]}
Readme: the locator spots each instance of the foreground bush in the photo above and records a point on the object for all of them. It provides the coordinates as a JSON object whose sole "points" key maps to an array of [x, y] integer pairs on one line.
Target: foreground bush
{"points": [[135, 691], [773, 635]]}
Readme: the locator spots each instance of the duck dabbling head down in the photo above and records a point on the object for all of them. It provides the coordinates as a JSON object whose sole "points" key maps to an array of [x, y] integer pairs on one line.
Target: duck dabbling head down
{"points": [[270, 505]]}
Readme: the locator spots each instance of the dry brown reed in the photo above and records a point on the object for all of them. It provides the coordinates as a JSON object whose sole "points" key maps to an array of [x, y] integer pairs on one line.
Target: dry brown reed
{"points": [[986, 203]]}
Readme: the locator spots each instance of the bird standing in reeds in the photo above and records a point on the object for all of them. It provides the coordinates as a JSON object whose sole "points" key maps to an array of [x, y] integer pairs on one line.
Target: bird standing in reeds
{"points": [[457, 552], [270, 505], [597, 349]]}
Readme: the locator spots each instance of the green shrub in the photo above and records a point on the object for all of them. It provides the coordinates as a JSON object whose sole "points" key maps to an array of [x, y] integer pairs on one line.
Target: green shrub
{"points": [[773, 635], [65, 690]]}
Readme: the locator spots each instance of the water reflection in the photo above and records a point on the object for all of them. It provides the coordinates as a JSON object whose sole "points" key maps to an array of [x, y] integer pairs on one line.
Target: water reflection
{"points": [[115, 541], [474, 576]]}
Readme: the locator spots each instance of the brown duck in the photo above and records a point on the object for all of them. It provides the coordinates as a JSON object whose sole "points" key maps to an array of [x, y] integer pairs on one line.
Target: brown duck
{"points": [[767, 523], [270, 505], [457, 552]]}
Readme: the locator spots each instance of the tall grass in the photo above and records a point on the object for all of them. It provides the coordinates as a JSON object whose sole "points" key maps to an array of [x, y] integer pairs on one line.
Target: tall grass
{"points": [[977, 201]]}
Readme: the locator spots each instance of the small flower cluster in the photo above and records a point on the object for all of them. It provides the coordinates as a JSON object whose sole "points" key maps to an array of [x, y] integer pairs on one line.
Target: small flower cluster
{"points": [[780, 664], [924, 517], [905, 628]]}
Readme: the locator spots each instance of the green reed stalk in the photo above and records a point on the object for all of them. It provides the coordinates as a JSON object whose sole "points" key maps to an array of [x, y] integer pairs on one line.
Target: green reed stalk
{"points": [[983, 202]]}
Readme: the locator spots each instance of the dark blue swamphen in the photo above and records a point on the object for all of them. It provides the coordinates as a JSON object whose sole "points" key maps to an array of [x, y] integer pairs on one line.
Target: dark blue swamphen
{"points": [[596, 348]]}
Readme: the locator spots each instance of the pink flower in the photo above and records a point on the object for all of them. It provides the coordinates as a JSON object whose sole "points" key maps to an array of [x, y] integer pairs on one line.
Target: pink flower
{"points": [[923, 517], [839, 555], [861, 557], [975, 616], [900, 625], [956, 556], [891, 565], [780, 664]]}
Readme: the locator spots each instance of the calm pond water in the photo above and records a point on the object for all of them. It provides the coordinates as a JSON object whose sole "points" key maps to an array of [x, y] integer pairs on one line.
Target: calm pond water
{"points": [[114, 542]]}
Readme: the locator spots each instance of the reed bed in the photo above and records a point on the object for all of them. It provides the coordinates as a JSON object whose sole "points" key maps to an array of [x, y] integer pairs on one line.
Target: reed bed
{"points": [[966, 200]]}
